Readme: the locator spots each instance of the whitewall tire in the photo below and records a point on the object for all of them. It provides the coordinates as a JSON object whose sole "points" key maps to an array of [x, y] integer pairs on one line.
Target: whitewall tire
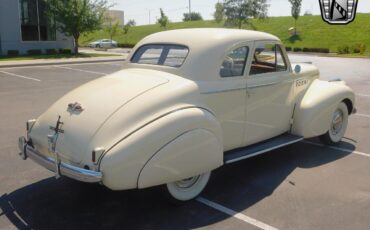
{"points": [[338, 125], [188, 189]]}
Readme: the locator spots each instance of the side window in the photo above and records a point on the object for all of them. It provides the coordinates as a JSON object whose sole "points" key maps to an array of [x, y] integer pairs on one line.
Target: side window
{"points": [[234, 63], [268, 58]]}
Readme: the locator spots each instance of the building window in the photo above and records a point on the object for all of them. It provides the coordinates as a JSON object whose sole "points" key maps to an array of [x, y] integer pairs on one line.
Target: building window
{"points": [[35, 24]]}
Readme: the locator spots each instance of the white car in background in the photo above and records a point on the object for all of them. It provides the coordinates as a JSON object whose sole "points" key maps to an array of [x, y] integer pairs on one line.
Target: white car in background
{"points": [[185, 103], [103, 43]]}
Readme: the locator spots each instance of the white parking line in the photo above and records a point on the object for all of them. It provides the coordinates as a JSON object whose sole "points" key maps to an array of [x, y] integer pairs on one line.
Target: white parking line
{"points": [[81, 70], [337, 148], [362, 95], [362, 115], [20, 76], [235, 214]]}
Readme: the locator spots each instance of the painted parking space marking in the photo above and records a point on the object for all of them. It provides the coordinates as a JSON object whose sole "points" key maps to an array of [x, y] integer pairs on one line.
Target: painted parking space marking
{"points": [[337, 148], [20, 76], [362, 115], [362, 95], [81, 70], [235, 214]]}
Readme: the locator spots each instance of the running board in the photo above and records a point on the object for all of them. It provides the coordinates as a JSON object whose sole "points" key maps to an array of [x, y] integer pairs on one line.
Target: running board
{"points": [[259, 148]]}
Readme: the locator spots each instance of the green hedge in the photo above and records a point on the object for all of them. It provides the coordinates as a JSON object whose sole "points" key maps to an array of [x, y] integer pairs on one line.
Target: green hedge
{"points": [[51, 51], [65, 51], [126, 45], [316, 50], [34, 52], [13, 53]]}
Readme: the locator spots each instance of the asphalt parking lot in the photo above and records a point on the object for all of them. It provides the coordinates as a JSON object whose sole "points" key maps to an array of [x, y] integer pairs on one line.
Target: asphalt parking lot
{"points": [[302, 186]]}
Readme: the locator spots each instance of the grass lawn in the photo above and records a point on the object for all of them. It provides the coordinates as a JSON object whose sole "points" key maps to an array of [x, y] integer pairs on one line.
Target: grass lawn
{"points": [[52, 56], [313, 31]]}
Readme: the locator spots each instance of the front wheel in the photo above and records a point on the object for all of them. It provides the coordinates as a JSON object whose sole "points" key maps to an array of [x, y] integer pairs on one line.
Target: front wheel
{"points": [[187, 189], [338, 126]]}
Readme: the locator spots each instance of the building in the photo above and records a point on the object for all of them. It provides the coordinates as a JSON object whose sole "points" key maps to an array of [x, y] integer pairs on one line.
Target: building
{"points": [[114, 16], [24, 26]]}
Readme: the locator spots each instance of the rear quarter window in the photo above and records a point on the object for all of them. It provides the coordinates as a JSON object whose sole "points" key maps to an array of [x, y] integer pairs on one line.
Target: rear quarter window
{"points": [[166, 55]]}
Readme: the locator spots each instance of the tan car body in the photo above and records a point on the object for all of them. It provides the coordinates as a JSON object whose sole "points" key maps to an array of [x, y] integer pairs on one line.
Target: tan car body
{"points": [[160, 124]]}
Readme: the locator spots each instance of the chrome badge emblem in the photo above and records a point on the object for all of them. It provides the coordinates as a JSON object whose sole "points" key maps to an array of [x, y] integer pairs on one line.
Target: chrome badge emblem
{"points": [[75, 107], [338, 12]]}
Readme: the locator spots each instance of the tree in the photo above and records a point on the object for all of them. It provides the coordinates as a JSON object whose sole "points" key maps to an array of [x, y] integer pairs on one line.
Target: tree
{"points": [[296, 10], [163, 20], [74, 17], [219, 14], [238, 12], [193, 16], [112, 28], [128, 25]]}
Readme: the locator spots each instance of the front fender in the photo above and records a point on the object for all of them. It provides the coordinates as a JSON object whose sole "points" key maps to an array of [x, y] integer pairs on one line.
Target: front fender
{"points": [[121, 166], [313, 114]]}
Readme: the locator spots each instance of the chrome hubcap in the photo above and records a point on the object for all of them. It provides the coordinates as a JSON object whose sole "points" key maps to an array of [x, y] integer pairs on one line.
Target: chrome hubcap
{"points": [[187, 183], [337, 123]]}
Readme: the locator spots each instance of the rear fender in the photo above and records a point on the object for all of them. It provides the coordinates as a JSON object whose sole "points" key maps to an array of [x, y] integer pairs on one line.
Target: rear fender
{"points": [[193, 153], [313, 114], [121, 166]]}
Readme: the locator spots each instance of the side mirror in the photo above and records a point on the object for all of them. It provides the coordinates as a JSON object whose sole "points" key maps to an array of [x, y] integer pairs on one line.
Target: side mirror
{"points": [[297, 69]]}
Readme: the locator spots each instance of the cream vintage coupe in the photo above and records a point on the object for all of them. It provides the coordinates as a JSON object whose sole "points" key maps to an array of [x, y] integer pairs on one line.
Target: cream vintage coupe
{"points": [[185, 103]]}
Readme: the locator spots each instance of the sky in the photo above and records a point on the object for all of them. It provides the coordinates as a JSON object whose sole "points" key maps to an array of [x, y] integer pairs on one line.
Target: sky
{"points": [[147, 11]]}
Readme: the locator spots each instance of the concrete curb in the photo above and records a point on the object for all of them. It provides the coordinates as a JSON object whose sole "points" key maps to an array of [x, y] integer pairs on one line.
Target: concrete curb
{"points": [[58, 62]]}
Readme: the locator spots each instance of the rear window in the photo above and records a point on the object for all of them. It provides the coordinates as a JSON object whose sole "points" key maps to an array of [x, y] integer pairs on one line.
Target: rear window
{"points": [[166, 55]]}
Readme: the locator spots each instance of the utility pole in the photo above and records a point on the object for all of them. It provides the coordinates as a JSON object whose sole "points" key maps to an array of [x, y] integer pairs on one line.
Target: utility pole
{"points": [[149, 16], [189, 8]]}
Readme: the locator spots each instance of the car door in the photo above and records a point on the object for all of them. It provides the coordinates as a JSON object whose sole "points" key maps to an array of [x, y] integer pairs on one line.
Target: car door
{"points": [[104, 43], [226, 95], [270, 99]]}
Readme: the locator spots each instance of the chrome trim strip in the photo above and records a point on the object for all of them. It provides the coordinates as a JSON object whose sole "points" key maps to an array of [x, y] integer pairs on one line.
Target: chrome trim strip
{"points": [[67, 170], [262, 85], [223, 90], [263, 151]]}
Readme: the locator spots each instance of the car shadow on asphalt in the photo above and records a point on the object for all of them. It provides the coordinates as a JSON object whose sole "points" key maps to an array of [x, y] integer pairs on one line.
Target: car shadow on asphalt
{"points": [[68, 204]]}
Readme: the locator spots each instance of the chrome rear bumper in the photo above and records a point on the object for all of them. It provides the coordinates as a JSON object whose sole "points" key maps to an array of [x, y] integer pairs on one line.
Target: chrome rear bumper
{"points": [[64, 169]]}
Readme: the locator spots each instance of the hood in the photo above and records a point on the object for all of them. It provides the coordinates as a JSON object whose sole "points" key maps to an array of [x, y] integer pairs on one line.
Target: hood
{"points": [[99, 100]]}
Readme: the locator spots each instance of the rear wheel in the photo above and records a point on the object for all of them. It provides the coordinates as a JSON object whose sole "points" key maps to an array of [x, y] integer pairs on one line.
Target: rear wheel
{"points": [[97, 46], [187, 189], [338, 126]]}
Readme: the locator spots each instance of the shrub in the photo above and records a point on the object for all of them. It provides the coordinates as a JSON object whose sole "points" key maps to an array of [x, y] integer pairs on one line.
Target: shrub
{"points": [[288, 48], [126, 45], [343, 49], [65, 51], [34, 52], [51, 51], [13, 53], [362, 48], [359, 48], [193, 16], [296, 49], [316, 50]]}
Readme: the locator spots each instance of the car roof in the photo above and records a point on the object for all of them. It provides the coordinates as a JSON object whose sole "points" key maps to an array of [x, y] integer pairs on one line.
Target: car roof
{"points": [[207, 48], [207, 36]]}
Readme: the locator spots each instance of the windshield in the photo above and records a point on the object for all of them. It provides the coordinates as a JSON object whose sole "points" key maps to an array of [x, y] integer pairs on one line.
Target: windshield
{"points": [[166, 55]]}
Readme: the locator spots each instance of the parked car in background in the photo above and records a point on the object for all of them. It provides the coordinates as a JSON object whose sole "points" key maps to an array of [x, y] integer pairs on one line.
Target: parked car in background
{"points": [[187, 102], [103, 43]]}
